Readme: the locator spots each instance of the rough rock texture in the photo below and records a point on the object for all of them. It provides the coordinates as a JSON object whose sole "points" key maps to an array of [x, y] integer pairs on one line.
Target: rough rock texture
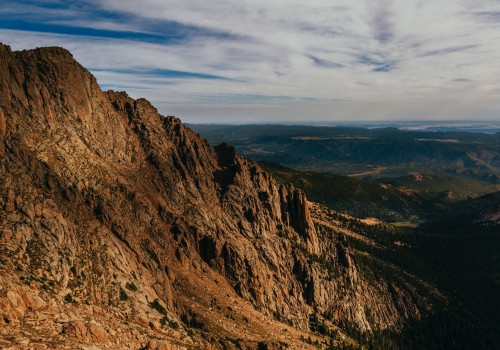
{"points": [[127, 227]]}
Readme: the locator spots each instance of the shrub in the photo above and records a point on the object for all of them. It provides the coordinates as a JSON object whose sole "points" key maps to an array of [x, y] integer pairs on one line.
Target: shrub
{"points": [[158, 307], [130, 286], [123, 295]]}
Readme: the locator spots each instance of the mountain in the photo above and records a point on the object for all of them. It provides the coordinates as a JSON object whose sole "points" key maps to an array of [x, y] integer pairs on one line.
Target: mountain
{"points": [[446, 188], [362, 153], [122, 228], [467, 216], [451, 244], [357, 197]]}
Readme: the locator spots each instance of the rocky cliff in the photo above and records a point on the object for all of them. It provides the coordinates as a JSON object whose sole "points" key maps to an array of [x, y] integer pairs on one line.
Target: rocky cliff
{"points": [[122, 227]]}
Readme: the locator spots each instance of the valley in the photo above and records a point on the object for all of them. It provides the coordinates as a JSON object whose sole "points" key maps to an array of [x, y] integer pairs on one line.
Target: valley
{"points": [[121, 228], [378, 153], [249, 175], [439, 224]]}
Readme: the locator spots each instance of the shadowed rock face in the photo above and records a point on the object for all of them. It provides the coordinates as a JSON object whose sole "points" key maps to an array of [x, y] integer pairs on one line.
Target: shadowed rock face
{"points": [[117, 213]]}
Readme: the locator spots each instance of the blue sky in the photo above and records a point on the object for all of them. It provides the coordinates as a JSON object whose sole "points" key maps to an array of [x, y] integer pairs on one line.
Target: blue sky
{"points": [[281, 60]]}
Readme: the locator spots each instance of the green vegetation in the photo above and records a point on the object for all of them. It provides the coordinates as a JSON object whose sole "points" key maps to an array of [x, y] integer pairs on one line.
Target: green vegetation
{"points": [[131, 287], [123, 295], [68, 298], [457, 254], [356, 197], [171, 323], [446, 188], [158, 307], [385, 152], [443, 240]]}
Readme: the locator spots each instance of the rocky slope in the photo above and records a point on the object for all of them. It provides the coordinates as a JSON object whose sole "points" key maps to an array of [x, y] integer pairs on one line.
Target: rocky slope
{"points": [[124, 229]]}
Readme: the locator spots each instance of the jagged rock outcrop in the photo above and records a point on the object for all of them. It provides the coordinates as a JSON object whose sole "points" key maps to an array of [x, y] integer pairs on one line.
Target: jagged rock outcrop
{"points": [[104, 202]]}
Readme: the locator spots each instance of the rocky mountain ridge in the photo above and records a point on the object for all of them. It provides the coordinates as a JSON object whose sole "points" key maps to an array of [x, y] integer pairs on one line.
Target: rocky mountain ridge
{"points": [[124, 228]]}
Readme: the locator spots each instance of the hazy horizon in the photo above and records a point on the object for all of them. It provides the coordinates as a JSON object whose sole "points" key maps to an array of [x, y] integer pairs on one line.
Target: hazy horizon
{"points": [[281, 61], [484, 126]]}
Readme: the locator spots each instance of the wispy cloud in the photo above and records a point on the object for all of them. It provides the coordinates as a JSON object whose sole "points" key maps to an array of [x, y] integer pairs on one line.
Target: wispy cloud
{"points": [[488, 16], [385, 67], [381, 21], [448, 50], [324, 63], [161, 73], [281, 59]]}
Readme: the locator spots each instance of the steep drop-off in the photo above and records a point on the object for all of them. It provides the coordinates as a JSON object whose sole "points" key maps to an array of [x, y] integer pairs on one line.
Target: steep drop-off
{"points": [[121, 227]]}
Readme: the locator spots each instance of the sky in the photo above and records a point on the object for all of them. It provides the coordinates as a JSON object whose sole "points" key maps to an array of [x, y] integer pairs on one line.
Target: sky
{"points": [[259, 61]]}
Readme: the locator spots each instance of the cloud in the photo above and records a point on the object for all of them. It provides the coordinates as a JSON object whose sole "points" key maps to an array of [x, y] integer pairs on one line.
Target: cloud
{"points": [[324, 63], [283, 58], [163, 73], [448, 50], [385, 67], [381, 21]]}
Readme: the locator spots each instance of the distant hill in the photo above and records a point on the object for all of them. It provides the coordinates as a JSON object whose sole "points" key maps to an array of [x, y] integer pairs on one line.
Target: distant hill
{"points": [[121, 228], [480, 215], [361, 152], [456, 248], [356, 197], [446, 188]]}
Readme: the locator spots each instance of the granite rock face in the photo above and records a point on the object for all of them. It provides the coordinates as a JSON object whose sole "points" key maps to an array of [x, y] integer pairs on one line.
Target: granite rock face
{"points": [[111, 211]]}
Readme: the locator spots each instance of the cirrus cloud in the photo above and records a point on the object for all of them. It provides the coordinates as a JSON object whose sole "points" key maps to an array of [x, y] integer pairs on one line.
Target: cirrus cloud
{"points": [[256, 61]]}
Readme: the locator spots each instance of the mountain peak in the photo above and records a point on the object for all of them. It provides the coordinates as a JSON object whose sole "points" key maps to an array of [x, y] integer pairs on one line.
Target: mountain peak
{"points": [[106, 202], [56, 52]]}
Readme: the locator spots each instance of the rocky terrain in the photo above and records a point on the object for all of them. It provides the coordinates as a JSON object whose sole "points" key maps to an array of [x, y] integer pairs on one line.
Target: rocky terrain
{"points": [[123, 229]]}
